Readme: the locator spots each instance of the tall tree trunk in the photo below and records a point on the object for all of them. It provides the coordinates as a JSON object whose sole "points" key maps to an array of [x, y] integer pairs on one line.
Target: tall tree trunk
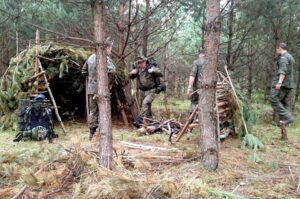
{"points": [[145, 32], [203, 29], [121, 27], [165, 68], [230, 35], [105, 128], [207, 114], [249, 63]]}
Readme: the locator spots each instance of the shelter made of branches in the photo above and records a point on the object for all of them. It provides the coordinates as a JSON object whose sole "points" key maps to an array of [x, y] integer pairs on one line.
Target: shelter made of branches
{"points": [[63, 70]]}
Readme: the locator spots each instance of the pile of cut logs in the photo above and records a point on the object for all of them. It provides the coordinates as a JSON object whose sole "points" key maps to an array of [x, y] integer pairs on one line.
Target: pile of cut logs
{"points": [[172, 127]]}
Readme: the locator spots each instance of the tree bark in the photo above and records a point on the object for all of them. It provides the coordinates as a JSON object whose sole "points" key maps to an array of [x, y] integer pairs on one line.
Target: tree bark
{"points": [[230, 35], [207, 113], [105, 128], [145, 32]]}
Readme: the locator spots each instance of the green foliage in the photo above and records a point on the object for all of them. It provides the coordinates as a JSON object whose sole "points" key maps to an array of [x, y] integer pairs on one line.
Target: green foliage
{"points": [[223, 194], [14, 86], [253, 144]]}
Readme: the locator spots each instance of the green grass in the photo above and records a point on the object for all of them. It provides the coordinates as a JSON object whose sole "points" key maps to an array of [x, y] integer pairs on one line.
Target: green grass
{"points": [[173, 103]]}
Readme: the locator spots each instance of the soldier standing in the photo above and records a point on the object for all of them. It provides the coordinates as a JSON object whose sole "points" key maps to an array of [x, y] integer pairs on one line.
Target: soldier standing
{"points": [[146, 75], [90, 70], [282, 84], [195, 76]]}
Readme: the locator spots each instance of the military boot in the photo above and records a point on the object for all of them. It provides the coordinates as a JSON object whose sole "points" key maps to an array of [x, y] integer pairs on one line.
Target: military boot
{"points": [[138, 122], [92, 132]]}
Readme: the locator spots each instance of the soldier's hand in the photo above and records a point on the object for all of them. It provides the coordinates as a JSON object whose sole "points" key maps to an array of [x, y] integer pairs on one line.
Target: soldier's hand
{"points": [[150, 70], [134, 71], [95, 97], [277, 87], [189, 91], [110, 86]]}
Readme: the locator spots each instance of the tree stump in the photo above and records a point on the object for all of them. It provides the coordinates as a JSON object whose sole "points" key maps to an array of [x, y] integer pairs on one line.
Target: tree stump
{"points": [[283, 131]]}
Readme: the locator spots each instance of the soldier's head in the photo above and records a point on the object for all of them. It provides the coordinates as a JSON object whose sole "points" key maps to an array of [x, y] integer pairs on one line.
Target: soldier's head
{"points": [[281, 48], [109, 45], [201, 53], [141, 62]]}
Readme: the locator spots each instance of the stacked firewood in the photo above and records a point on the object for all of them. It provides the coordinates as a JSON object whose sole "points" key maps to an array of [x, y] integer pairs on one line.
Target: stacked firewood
{"points": [[172, 126]]}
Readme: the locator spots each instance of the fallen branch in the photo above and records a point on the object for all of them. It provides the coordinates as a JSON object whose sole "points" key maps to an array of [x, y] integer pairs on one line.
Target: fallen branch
{"points": [[151, 148], [187, 123], [34, 77]]}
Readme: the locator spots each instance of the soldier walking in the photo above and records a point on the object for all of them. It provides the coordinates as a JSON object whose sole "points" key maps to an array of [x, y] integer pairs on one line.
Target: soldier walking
{"points": [[195, 76], [146, 75], [90, 70], [283, 84]]}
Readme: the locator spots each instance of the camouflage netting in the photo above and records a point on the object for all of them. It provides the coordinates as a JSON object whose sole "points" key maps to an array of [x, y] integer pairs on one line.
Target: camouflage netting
{"points": [[63, 68]]}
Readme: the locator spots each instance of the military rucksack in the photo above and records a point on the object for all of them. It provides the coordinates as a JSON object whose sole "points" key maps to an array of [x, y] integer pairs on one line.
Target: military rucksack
{"points": [[35, 120], [159, 86]]}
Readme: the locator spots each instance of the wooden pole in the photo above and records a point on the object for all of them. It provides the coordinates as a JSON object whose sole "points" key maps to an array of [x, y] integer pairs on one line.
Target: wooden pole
{"points": [[52, 98], [87, 102], [283, 131], [121, 108], [37, 45], [237, 99], [187, 123]]}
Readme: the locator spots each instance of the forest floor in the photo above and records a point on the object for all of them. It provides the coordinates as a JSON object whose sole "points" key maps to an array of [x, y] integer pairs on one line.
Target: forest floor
{"points": [[152, 174]]}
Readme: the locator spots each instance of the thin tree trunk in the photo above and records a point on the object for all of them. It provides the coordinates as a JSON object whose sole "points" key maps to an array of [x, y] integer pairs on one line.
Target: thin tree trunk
{"points": [[230, 35], [207, 114], [105, 128], [165, 68], [121, 30], [145, 33], [249, 63]]}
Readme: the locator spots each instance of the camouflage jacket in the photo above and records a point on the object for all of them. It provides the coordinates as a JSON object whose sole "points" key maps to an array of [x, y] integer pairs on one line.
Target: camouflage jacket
{"points": [[196, 71], [89, 69], [284, 65], [147, 81]]}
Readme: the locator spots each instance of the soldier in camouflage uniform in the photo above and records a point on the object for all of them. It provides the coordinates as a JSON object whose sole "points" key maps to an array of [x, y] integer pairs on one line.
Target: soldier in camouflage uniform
{"points": [[282, 84], [90, 70], [147, 85], [195, 76]]}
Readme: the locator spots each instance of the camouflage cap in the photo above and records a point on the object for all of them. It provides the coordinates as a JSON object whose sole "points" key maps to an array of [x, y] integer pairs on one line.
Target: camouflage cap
{"points": [[141, 59]]}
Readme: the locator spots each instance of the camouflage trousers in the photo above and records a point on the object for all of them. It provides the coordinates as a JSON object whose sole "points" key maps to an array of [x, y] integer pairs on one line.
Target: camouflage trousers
{"points": [[194, 102], [280, 101], [147, 99], [93, 112]]}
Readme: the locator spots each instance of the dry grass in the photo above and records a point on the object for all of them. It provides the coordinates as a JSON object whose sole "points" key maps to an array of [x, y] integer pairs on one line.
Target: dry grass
{"points": [[150, 174]]}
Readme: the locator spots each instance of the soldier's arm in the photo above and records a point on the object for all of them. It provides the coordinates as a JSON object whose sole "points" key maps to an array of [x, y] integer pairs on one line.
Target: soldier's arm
{"points": [[282, 65], [84, 70], [193, 74], [156, 71], [282, 69]]}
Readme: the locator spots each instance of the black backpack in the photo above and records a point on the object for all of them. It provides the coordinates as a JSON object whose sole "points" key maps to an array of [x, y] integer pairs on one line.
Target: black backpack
{"points": [[159, 86], [35, 120]]}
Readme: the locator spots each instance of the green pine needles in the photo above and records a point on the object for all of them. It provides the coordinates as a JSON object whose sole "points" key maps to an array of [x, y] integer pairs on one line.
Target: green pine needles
{"points": [[15, 84], [244, 119]]}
